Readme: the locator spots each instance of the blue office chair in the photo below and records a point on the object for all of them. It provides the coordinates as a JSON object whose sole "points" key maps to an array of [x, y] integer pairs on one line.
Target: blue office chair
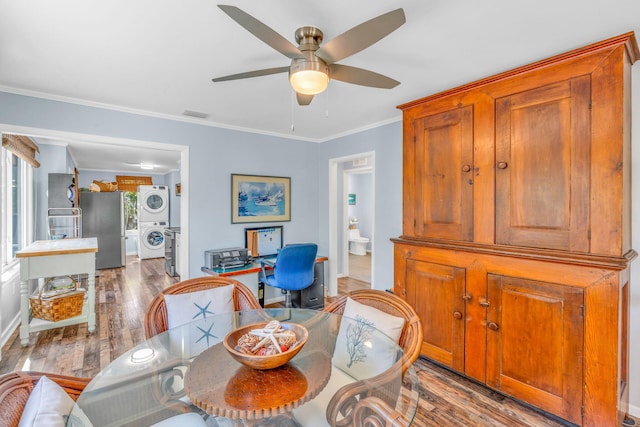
{"points": [[292, 269]]}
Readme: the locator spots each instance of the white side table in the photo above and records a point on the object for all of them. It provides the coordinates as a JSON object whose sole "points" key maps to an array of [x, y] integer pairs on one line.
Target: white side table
{"points": [[49, 258]]}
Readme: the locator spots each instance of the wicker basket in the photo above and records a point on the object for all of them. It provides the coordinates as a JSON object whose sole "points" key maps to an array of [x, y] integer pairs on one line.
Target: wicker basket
{"points": [[58, 307]]}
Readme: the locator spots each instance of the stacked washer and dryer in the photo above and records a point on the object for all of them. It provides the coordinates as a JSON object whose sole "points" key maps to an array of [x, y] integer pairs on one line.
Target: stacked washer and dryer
{"points": [[153, 219]]}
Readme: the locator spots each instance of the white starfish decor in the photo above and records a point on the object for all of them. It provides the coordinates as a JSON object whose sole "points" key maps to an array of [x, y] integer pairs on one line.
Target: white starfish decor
{"points": [[272, 333]]}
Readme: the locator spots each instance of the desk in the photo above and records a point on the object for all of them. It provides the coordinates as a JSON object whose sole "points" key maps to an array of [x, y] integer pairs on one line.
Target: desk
{"points": [[186, 369], [49, 258], [311, 297]]}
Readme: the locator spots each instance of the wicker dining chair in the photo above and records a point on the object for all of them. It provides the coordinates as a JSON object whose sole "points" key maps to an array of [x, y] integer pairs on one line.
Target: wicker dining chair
{"points": [[15, 388], [357, 398], [156, 321]]}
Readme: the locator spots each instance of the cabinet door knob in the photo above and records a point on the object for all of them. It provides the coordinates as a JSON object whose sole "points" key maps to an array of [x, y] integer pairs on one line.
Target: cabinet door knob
{"points": [[484, 303], [493, 326], [467, 297], [466, 168], [457, 315], [502, 165]]}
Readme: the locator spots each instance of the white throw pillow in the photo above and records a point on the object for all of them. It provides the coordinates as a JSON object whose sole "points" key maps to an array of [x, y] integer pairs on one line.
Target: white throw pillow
{"points": [[48, 405], [361, 353], [314, 412], [185, 308], [189, 340], [358, 355]]}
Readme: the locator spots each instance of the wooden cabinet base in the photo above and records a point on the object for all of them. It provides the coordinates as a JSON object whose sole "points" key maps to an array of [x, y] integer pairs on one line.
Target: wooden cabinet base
{"points": [[543, 331]]}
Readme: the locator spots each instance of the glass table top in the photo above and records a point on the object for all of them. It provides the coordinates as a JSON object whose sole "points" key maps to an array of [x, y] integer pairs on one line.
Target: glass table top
{"points": [[187, 369]]}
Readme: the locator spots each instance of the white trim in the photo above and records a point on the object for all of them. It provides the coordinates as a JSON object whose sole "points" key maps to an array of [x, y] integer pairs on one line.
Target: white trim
{"points": [[344, 225], [8, 329], [332, 283]]}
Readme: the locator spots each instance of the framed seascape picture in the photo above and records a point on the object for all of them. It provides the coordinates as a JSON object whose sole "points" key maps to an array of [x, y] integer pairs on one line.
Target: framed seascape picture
{"points": [[260, 198]]}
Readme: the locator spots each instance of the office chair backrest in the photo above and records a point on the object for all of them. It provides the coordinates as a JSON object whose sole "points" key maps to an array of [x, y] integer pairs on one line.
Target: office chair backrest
{"points": [[294, 265]]}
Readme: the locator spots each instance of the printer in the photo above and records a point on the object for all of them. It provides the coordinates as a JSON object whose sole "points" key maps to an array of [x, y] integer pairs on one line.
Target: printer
{"points": [[226, 258]]}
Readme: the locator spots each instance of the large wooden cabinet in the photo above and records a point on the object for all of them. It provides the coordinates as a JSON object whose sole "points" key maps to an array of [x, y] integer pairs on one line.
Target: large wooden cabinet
{"points": [[516, 239]]}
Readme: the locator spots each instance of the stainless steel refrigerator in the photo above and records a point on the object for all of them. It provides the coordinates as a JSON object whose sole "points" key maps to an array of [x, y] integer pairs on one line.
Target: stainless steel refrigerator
{"points": [[103, 217]]}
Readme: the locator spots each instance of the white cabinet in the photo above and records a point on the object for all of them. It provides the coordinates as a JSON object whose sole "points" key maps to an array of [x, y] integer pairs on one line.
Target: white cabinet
{"points": [[49, 258]]}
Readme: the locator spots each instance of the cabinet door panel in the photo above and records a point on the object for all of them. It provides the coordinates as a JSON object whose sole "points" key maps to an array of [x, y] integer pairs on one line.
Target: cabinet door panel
{"points": [[542, 177], [534, 343], [444, 175], [436, 293]]}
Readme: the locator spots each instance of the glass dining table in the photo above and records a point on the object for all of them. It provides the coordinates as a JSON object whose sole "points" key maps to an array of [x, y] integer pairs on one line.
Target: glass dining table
{"points": [[188, 370]]}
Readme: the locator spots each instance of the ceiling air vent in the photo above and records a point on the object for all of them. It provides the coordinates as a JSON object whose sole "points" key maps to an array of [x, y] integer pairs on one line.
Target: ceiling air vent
{"points": [[195, 114], [360, 162]]}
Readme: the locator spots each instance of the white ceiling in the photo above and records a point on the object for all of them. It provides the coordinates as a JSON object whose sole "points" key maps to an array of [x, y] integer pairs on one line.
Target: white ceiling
{"points": [[157, 57]]}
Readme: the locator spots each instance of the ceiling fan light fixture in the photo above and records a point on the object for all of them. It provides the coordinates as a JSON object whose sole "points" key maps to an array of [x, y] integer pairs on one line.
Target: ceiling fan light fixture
{"points": [[309, 82], [308, 77]]}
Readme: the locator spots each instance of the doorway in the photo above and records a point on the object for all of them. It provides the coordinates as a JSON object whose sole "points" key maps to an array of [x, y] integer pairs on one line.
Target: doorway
{"points": [[64, 137], [358, 183], [339, 171]]}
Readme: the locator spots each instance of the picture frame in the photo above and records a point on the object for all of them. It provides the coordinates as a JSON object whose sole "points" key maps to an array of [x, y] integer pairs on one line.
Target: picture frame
{"points": [[257, 198]]}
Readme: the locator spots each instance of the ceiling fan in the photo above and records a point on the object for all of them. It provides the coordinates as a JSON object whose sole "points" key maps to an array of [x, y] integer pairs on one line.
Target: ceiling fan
{"points": [[312, 65]]}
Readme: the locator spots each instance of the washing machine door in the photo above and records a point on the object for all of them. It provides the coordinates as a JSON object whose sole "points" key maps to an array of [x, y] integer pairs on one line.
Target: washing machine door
{"points": [[155, 201], [153, 239]]}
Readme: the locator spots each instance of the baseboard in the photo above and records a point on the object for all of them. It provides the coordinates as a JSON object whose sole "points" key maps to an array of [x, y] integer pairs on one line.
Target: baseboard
{"points": [[634, 411], [8, 330]]}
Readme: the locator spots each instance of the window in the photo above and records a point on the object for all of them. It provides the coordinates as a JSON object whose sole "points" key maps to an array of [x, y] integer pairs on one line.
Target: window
{"points": [[131, 210], [16, 205], [129, 185]]}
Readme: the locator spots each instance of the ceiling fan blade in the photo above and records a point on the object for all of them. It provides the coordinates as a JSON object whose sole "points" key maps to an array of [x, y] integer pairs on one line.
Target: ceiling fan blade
{"points": [[304, 99], [249, 74], [361, 36], [358, 76], [262, 31]]}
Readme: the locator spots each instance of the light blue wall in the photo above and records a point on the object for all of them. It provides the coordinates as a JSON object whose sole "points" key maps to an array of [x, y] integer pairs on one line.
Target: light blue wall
{"points": [[214, 155], [386, 143]]}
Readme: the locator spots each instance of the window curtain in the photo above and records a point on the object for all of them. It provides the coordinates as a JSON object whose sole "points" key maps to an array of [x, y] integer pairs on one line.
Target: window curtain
{"points": [[23, 147], [130, 183]]}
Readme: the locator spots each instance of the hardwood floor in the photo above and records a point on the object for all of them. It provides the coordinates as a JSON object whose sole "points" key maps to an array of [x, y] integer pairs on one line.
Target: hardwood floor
{"points": [[122, 296], [360, 267]]}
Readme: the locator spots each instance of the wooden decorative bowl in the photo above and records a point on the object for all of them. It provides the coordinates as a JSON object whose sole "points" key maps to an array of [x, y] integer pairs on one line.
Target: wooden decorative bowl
{"points": [[267, 361]]}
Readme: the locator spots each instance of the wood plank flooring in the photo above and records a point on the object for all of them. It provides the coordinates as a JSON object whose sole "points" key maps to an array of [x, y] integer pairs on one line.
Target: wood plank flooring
{"points": [[360, 267], [122, 295]]}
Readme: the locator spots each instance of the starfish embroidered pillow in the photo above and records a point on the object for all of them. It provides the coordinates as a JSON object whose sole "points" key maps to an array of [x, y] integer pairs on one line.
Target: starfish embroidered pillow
{"points": [[191, 339], [199, 305], [361, 350]]}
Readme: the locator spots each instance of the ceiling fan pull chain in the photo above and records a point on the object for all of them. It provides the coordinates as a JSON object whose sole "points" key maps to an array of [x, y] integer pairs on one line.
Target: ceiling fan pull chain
{"points": [[293, 101], [326, 111]]}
